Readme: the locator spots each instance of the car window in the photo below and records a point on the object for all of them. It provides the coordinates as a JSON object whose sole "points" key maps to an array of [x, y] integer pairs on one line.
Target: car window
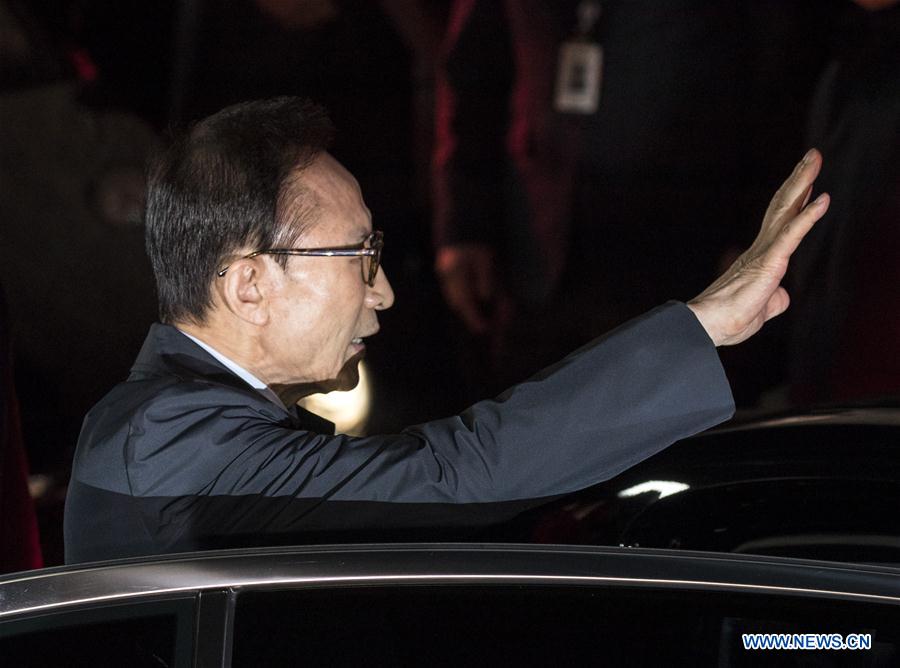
{"points": [[540, 626], [150, 634], [829, 520]]}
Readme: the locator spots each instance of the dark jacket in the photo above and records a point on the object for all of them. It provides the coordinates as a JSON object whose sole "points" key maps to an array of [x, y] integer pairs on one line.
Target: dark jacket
{"points": [[184, 455]]}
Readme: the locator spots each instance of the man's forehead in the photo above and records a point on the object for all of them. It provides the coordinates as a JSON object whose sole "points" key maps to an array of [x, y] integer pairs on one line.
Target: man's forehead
{"points": [[326, 176], [336, 194]]}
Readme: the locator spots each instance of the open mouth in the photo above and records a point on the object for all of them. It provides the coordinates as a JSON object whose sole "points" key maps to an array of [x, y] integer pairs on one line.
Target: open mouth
{"points": [[359, 340]]}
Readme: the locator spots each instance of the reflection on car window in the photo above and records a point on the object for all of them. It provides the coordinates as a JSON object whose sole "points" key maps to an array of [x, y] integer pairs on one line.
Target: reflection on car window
{"points": [[540, 626], [830, 520]]}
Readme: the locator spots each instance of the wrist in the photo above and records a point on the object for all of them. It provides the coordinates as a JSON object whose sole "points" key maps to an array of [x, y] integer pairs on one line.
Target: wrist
{"points": [[706, 321]]}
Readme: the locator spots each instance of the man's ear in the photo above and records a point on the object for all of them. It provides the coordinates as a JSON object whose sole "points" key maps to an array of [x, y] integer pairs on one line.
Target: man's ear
{"points": [[241, 292]]}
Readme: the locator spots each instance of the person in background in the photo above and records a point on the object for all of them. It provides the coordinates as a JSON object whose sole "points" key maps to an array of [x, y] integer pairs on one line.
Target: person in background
{"points": [[20, 547], [848, 273], [586, 167]]}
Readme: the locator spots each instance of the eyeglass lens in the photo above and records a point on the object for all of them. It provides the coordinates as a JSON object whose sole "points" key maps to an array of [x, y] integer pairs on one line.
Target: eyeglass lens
{"points": [[371, 262]]}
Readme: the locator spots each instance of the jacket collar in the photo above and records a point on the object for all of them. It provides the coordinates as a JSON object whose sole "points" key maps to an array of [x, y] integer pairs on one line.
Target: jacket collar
{"points": [[169, 353]]}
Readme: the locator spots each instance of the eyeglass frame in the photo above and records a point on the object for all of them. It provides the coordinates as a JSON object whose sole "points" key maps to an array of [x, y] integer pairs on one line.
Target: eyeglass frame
{"points": [[376, 241]]}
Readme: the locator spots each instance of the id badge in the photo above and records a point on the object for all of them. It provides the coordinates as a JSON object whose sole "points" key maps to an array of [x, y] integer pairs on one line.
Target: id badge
{"points": [[578, 77]]}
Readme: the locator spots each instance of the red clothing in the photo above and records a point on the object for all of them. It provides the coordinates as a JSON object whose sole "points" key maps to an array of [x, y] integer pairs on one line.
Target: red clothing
{"points": [[20, 547]]}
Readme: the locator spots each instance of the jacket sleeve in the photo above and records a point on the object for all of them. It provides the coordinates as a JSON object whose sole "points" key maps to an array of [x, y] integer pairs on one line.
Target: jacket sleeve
{"points": [[602, 409]]}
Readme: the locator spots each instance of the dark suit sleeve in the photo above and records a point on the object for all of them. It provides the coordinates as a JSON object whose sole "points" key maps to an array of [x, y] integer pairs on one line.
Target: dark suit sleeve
{"points": [[600, 410]]}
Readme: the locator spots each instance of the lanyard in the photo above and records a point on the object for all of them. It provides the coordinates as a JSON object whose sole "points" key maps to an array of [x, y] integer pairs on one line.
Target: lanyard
{"points": [[588, 13]]}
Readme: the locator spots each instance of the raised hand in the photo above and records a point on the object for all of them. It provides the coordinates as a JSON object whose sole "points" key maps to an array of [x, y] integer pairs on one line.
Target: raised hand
{"points": [[749, 293]]}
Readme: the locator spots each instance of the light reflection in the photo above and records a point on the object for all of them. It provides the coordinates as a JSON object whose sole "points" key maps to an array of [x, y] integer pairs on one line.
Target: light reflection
{"points": [[348, 410], [663, 487]]}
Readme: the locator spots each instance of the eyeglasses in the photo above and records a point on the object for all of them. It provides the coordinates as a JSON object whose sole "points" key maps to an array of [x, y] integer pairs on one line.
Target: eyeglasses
{"points": [[369, 250]]}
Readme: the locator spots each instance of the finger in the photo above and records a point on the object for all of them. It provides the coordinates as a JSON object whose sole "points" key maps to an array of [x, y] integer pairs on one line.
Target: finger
{"points": [[794, 208], [797, 206], [792, 190], [806, 198], [778, 303], [803, 176], [791, 233], [788, 210]]}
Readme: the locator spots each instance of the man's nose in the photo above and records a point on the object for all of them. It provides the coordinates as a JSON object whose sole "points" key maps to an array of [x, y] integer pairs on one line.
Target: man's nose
{"points": [[381, 295]]}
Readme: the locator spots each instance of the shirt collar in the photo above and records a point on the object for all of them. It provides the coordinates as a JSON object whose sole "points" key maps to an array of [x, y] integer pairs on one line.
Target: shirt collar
{"points": [[238, 371]]}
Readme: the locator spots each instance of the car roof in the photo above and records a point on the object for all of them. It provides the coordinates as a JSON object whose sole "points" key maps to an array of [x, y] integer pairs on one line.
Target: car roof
{"points": [[439, 564], [875, 416]]}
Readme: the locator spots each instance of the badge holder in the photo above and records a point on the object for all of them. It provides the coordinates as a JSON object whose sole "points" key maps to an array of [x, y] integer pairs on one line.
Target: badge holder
{"points": [[580, 69]]}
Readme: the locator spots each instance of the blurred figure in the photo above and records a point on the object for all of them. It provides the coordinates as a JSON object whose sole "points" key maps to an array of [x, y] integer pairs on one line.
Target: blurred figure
{"points": [[71, 256], [19, 545], [848, 273], [71, 200], [553, 220]]}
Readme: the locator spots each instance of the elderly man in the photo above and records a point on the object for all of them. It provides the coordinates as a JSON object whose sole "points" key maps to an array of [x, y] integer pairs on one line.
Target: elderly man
{"points": [[269, 280]]}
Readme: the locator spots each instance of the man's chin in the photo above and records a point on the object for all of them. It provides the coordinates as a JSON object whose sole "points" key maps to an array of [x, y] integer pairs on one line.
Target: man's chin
{"points": [[347, 378]]}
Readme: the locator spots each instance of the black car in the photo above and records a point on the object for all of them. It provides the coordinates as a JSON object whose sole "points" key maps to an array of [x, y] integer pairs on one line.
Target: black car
{"points": [[451, 605], [820, 485]]}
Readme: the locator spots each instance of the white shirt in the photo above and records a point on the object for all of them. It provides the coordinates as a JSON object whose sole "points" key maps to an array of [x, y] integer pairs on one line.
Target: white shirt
{"points": [[239, 371]]}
